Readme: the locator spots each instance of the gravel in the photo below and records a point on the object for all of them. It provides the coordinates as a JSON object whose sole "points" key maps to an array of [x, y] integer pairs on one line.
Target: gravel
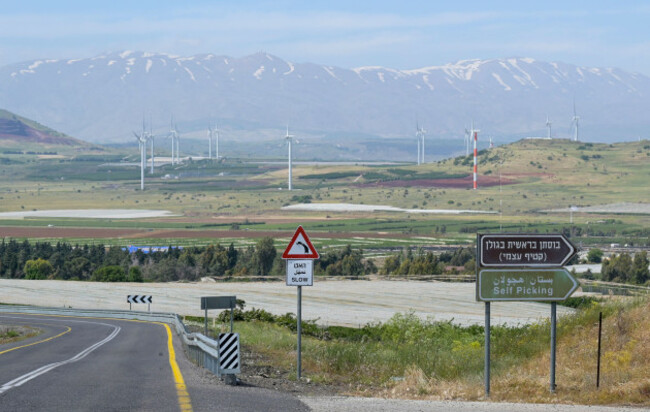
{"points": [[348, 404], [337, 302]]}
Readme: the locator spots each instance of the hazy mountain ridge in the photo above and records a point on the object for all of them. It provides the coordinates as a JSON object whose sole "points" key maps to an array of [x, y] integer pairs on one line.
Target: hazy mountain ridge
{"points": [[105, 97]]}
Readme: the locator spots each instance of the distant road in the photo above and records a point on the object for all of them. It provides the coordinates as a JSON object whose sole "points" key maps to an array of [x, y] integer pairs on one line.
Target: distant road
{"points": [[92, 364]]}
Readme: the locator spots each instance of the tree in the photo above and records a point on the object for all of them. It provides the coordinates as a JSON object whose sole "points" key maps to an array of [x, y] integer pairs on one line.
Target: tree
{"points": [[595, 255], [78, 268], [112, 273], [640, 272], [135, 274], [264, 255], [38, 269], [617, 268]]}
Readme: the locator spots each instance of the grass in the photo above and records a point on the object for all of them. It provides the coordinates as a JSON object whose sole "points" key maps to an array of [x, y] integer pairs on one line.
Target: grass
{"points": [[414, 358], [10, 334]]}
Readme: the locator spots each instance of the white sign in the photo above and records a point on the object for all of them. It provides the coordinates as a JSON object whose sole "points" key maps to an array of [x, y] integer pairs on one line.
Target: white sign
{"points": [[300, 272]]}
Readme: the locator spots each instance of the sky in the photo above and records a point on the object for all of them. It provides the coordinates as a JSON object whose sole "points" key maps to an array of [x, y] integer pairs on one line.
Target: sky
{"points": [[396, 34]]}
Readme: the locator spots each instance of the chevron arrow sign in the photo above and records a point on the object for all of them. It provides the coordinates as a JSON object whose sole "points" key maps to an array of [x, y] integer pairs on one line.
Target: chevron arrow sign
{"points": [[229, 353], [139, 299]]}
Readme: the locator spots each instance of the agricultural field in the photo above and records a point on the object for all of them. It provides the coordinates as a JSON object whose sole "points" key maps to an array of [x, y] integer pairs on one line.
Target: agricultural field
{"points": [[237, 200]]}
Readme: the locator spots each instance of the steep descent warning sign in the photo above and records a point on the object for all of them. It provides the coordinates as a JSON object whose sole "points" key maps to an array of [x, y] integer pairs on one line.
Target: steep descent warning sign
{"points": [[300, 247]]}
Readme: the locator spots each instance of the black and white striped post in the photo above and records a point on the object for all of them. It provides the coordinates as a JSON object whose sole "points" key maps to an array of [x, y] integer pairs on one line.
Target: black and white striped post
{"points": [[229, 357], [148, 299]]}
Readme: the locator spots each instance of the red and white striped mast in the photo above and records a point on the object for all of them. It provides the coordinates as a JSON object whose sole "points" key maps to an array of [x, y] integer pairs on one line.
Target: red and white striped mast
{"points": [[475, 133]]}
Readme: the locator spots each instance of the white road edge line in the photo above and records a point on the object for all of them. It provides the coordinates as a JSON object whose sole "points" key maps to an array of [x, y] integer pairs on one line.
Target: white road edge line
{"points": [[44, 369]]}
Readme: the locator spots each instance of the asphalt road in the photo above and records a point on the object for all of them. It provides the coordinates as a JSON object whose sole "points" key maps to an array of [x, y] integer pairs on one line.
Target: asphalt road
{"points": [[84, 364]]}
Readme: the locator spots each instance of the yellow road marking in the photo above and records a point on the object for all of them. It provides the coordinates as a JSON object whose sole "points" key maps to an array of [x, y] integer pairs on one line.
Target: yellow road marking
{"points": [[184, 401], [40, 341], [181, 390]]}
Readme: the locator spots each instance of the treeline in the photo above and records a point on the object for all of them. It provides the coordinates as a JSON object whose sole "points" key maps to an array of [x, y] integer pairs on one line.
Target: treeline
{"points": [[41, 260], [625, 269], [461, 260]]}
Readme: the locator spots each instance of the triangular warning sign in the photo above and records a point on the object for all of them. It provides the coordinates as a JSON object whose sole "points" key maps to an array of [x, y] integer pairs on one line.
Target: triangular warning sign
{"points": [[300, 247]]}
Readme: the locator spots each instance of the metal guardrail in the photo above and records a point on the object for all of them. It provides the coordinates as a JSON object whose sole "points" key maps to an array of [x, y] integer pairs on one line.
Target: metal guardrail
{"points": [[201, 350], [607, 288]]}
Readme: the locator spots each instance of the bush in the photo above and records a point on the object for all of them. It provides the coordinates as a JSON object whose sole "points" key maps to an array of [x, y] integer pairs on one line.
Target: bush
{"points": [[38, 269], [109, 274]]}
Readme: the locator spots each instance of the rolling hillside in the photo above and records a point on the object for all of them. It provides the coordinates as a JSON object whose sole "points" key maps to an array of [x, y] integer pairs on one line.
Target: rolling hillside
{"points": [[19, 134]]}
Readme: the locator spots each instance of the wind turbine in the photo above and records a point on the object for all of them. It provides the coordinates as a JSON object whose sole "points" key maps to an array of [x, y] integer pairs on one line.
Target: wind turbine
{"points": [[417, 139], [289, 140], [173, 133], [216, 129], [420, 133], [575, 122], [151, 137], [210, 133], [468, 136], [142, 142]]}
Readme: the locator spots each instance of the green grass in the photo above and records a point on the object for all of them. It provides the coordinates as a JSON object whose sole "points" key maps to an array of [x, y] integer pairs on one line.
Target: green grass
{"points": [[421, 357], [375, 353]]}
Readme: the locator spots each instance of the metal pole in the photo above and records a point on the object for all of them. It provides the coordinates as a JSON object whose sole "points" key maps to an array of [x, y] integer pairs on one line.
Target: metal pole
{"points": [[205, 329], [600, 328], [553, 337], [231, 319], [299, 328], [487, 349]]}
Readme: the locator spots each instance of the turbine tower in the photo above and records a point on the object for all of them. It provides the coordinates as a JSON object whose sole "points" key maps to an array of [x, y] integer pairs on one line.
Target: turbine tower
{"points": [[178, 145], [142, 146], [216, 129], [475, 134], [548, 128], [419, 134], [210, 133], [289, 140], [575, 122], [151, 137], [173, 133]]}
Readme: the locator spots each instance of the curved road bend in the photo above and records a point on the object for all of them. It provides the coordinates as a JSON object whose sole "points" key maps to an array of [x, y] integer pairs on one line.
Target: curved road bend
{"points": [[82, 364]]}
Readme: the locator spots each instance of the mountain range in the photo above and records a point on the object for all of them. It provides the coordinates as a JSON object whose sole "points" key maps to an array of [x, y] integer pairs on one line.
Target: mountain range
{"points": [[104, 98]]}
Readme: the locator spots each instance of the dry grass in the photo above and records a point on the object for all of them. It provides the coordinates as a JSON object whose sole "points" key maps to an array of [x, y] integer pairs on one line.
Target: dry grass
{"points": [[625, 367], [11, 333]]}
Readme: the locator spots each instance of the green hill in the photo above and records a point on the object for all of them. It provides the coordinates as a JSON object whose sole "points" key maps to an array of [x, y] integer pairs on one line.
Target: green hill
{"points": [[19, 134]]}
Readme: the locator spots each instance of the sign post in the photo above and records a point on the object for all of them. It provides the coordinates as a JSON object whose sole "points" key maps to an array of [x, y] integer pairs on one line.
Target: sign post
{"points": [[222, 302], [522, 267], [300, 255]]}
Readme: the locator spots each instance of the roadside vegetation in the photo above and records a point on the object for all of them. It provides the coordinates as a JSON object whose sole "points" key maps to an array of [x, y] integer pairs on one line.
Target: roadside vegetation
{"points": [[10, 333], [424, 359]]}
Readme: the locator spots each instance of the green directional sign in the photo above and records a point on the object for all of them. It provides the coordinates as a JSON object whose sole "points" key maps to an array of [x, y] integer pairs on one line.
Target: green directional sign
{"points": [[524, 284]]}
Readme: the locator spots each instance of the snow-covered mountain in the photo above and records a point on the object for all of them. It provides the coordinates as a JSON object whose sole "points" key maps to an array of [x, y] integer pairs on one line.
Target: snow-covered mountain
{"points": [[104, 98]]}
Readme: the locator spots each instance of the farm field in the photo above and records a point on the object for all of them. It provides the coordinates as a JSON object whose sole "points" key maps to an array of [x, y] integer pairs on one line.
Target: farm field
{"points": [[520, 190]]}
